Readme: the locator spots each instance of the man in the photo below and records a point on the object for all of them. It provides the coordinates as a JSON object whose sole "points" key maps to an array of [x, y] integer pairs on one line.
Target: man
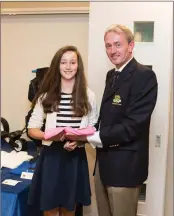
{"points": [[122, 139]]}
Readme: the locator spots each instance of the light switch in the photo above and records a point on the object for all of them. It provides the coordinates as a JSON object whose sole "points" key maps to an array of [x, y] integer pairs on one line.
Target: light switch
{"points": [[158, 141]]}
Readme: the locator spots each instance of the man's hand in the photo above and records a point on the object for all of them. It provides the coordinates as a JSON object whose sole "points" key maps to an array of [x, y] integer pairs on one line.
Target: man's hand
{"points": [[70, 146], [76, 137]]}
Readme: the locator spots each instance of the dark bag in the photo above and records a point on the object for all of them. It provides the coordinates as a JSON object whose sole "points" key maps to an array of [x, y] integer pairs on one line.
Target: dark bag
{"points": [[33, 89]]}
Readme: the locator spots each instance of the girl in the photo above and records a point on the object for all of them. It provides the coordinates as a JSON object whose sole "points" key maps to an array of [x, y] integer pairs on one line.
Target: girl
{"points": [[61, 178]]}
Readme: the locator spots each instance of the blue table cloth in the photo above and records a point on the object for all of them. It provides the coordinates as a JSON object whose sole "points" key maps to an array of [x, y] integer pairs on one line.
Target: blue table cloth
{"points": [[14, 198]]}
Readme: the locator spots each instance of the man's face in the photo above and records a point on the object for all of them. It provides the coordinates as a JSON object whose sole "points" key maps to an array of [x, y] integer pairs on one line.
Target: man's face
{"points": [[118, 49]]}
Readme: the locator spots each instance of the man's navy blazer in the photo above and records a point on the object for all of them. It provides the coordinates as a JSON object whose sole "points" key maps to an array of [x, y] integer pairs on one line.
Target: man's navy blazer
{"points": [[124, 121]]}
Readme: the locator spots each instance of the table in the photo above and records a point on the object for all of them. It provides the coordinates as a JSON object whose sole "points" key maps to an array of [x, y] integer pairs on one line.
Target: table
{"points": [[14, 199]]}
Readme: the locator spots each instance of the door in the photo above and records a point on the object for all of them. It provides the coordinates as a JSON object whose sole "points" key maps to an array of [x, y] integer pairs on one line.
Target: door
{"points": [[152, 24]]}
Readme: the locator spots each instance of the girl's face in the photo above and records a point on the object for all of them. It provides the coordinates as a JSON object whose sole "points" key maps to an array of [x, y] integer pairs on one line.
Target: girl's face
{"points": [[68, 65]]}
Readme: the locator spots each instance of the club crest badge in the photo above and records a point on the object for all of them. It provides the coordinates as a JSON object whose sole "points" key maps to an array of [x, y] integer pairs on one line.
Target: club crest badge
{"points": [[116, 100]]}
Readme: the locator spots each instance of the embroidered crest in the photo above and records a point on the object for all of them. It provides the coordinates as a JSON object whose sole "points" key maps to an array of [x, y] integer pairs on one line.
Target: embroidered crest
{"points": [[117, 100]]}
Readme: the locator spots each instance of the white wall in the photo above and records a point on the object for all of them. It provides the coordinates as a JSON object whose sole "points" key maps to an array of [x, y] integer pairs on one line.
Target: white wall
{"points": [[158, 54], [29, 42]]}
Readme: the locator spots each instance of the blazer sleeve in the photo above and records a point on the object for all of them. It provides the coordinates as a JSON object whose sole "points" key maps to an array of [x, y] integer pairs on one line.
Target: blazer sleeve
{"points": [[37, 117], [137, 114]]}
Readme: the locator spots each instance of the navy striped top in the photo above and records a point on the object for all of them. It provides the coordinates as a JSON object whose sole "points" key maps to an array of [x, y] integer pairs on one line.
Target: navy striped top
{"points": [[65, 116]]}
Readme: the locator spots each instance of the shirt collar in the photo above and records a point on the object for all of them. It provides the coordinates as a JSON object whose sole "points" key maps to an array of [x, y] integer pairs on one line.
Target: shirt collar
{"points": [[122, 67]]}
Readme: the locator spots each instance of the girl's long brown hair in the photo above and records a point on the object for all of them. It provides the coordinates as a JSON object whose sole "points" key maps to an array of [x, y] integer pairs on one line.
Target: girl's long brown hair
{"points": [[50, 88]]}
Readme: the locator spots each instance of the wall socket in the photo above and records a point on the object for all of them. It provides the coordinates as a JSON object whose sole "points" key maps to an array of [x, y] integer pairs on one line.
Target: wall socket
{"points": [[158, 141]]}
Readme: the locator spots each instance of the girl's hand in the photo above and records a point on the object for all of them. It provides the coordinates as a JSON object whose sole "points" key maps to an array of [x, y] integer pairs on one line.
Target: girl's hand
{"points": [[70, 146], [59, 137]]}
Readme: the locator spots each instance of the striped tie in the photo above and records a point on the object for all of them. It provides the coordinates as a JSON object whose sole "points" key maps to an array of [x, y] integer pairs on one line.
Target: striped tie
{"points": [[115, 77]]}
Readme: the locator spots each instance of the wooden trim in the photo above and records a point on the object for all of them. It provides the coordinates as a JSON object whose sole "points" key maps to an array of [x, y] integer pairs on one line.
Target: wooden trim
{"points": [[43, 10], [45, 4]]}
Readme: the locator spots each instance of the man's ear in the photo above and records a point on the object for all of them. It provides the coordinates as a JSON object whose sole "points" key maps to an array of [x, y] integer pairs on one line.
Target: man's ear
{"points": [[131, 46]]}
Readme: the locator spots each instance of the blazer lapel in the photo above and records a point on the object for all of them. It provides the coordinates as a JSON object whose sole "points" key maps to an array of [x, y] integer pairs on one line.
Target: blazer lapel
{"points": [[124, 75]]}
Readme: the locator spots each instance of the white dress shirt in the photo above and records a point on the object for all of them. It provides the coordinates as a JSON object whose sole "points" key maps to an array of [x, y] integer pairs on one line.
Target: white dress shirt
{"points": [[94, 139]]}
